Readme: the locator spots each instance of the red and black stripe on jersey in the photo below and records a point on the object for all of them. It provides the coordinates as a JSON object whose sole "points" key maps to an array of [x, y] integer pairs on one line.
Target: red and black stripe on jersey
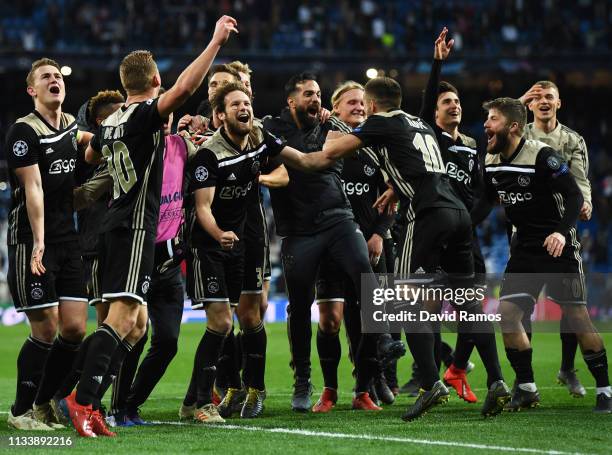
{"points": [[234, 174]]}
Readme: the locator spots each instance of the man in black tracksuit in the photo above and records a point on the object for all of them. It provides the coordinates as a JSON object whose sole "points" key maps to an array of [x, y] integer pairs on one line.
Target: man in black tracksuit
{"points": [[313, 216]]}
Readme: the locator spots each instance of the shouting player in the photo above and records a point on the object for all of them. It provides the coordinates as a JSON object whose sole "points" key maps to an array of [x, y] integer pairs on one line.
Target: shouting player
{"points": [[541, 199], [131, 140], [45, 268]]}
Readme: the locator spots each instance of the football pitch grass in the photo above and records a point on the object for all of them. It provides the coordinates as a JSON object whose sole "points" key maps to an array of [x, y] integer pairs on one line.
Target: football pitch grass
{"points": [[560, 425]]}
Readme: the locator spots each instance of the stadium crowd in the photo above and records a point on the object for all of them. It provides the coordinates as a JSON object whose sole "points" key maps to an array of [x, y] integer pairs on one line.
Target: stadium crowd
{"points": [[514, 27]]}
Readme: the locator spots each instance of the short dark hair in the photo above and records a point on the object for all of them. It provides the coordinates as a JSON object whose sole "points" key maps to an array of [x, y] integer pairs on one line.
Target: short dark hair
{"points": [[297, 79], [218, 100], [511, 108], [444, 87], [222, 68], [385, 91], [102, 100]]}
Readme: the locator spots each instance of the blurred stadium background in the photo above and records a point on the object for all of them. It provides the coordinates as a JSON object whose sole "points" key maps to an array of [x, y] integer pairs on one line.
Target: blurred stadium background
{"points": [[501, 48]]}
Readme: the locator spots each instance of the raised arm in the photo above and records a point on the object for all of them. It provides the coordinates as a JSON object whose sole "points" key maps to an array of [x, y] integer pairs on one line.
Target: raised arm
{"points": [[430, 97], [192, 76]]}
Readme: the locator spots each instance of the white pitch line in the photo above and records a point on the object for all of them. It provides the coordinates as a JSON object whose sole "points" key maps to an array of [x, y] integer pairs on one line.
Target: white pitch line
{"points": [[367, 437]]}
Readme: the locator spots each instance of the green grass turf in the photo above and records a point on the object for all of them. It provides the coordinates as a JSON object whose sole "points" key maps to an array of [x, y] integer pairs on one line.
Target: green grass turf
{"points": [[561, 423]]}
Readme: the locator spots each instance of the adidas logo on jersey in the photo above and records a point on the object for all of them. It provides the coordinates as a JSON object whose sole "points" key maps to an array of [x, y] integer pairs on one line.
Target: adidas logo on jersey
{"points": [[98, 379], [232, 177], [49, 150]]}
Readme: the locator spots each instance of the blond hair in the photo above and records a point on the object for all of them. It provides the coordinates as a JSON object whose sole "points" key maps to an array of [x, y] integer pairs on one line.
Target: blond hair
{"points": [[241, 67], [343, 88], [548, 84], [37, 64], [136, 71]]}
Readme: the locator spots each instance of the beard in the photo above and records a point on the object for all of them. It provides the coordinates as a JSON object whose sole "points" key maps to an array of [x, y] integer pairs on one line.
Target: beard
{"points": [[502, 140], [305, 118], [238, 128]]}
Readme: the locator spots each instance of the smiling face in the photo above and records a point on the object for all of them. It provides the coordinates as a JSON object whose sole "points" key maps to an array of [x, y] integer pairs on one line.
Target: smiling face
{"points": [[448, 110], [237, 117], [350, 108], [497, 131], [305, 101], [545, 107], [47, 87]]}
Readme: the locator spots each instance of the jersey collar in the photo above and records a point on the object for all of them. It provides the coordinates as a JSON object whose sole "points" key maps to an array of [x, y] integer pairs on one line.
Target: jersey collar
{"points": [[515, 154], [51, 127]]}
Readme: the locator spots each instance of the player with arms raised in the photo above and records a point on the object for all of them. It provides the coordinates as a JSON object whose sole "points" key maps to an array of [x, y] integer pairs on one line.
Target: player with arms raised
{"points": [[131, 141]]}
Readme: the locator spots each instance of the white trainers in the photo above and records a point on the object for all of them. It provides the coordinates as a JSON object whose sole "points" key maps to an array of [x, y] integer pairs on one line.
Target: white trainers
{"points": [[26, 421], [208, 414], [187, 412], [44, 413]]}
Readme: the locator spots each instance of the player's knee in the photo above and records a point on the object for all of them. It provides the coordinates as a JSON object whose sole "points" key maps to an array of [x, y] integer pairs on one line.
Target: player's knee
{"points": [[74, 332], [45, 332], [136, 335], [125, 326], [510, 312], [249, 314], [329, 324], [220, 321], [250, 319]]}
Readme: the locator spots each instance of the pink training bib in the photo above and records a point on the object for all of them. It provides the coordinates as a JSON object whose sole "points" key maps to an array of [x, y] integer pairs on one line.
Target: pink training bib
{"points": [[171, 203]]}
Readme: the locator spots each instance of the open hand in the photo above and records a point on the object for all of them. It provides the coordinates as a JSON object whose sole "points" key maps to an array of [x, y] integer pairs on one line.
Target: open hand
{"points": [[441, 47]]}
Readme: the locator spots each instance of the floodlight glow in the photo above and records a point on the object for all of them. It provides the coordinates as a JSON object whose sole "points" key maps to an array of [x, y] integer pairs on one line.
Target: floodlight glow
{"points": [[372, 73], [66, 70]]}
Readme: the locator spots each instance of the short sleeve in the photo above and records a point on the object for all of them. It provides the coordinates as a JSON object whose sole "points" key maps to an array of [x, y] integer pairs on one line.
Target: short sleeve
{"points": [[147, 115], [22, 146], [203, 170], [549, 164], [370, 131], [274, 144]]}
